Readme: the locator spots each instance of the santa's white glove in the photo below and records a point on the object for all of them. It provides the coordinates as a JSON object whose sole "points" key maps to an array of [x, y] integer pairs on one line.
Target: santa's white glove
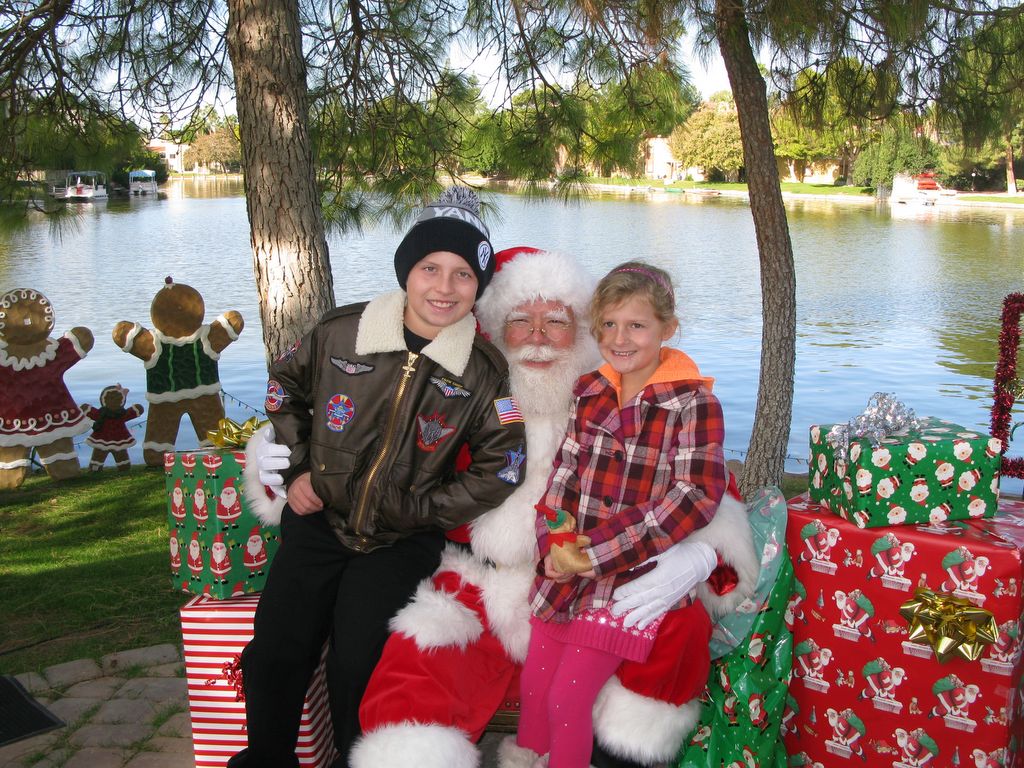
{"points": [[678, 571], [271, 458]]}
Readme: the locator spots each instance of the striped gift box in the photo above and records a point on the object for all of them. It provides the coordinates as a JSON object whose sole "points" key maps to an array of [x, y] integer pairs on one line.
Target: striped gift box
{"points": [[214, 633]]}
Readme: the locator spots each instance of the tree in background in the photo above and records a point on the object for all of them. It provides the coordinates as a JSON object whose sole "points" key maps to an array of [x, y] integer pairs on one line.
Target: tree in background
{"points": [[710, 140], [900, 147], [982, 90], [219, 149]]}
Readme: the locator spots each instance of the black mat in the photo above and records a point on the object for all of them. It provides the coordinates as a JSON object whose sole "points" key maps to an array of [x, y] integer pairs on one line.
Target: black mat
{"points": [[22, 716]]}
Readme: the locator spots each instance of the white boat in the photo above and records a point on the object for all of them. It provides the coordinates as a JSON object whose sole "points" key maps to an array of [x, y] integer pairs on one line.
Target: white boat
{"points": [[142, 182], [82, 186]]}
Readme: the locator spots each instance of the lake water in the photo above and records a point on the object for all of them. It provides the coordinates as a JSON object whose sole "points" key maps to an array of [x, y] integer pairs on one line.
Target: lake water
{"points": [[894, 301]]}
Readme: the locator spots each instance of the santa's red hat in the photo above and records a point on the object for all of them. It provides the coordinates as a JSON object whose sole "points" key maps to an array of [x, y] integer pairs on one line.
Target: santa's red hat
{"points": [[255, 531], [218, 539], [527, 274], [229, 483]]}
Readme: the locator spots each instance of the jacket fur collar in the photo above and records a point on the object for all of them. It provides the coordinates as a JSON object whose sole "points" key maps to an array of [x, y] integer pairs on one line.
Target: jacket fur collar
{"points": [[381, 329]]}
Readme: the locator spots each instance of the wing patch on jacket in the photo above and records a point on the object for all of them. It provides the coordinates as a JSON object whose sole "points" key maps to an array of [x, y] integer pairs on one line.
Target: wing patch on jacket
{"points": [[347, 366], [449, 388]]}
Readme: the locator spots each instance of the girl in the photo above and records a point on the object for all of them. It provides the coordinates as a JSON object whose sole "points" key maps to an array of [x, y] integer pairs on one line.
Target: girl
{"points": [[640, 469]]}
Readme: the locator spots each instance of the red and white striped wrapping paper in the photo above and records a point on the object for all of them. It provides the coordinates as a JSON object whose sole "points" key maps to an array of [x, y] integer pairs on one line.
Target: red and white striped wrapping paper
{"points": [[214, 633]]}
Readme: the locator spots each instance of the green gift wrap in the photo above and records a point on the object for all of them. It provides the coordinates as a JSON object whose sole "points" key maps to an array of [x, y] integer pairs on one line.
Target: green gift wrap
{"points": [[217, 546], [744, 705], [940, 471]]}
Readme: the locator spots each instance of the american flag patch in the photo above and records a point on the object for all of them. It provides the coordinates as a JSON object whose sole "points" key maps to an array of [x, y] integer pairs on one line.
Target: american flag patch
{"points": [[508, 410]]}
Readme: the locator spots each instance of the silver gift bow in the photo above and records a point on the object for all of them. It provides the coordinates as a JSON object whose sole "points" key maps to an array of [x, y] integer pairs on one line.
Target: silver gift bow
{"points": [[884, 416]]}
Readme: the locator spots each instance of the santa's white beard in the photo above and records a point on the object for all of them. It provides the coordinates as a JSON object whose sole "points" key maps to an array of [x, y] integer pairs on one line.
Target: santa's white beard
{"points": [[545, 391]]}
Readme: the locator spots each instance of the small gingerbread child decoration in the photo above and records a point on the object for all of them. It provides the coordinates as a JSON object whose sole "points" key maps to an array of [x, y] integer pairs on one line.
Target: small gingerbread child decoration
{"points": [[110, 433], [181, 357], [36, 409]]}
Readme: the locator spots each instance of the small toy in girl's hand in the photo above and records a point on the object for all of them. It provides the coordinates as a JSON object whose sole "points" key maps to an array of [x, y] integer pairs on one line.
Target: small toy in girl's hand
{"points": [[37, 411], [110, 434]]}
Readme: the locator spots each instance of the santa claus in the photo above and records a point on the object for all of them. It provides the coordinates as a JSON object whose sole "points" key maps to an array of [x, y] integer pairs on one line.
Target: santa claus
{"points": [[229, 506], [255, 558], [456, 649]]}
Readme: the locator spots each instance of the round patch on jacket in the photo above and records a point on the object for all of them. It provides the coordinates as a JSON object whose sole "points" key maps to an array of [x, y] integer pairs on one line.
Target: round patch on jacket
{"points": [[340, 410], [275, 396]]}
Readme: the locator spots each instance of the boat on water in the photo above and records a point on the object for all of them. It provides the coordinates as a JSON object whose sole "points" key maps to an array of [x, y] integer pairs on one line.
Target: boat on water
{"points": [[142, 182], [82, 186], [703, 192]]}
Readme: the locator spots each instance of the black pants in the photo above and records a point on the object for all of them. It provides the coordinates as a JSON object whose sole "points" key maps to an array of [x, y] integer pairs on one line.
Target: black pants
{"points": [[316, 589]]}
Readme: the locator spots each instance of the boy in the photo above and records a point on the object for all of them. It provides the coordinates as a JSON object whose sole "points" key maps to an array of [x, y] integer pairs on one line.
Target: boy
{"points": [[374, 404]]}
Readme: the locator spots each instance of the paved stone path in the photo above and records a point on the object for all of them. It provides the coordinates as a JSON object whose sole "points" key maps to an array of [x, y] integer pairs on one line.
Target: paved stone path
{"points": [[128, 710]]}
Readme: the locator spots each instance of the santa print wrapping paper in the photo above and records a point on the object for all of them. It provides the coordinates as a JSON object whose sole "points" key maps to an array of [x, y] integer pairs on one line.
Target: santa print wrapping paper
{"points": [[862, 692], [217, 547], [940, 472], [214, 633]]}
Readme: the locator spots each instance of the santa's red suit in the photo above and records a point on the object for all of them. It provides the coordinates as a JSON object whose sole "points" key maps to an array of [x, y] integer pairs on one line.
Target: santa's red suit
{"points": [[456, 649]]}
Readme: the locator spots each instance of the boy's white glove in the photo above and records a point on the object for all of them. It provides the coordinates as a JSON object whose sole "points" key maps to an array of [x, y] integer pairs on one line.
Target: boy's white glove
{"points": [[271, 458], [678, 571]]}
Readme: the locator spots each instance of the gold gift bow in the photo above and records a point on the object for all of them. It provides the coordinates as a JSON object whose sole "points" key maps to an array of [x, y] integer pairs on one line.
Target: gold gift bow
{"points": [[952, 626], [231, 434]]}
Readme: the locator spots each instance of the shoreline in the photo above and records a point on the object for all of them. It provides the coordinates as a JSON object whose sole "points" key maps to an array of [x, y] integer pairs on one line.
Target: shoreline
{"points": [[923, 203]]}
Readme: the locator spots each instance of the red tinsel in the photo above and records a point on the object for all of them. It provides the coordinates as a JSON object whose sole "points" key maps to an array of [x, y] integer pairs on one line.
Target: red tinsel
{"points": [[232, 671], [1005, 382]]}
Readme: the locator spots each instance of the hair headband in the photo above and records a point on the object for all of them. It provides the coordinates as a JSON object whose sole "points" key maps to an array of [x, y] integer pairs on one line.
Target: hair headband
{"points": [[649, 274]]}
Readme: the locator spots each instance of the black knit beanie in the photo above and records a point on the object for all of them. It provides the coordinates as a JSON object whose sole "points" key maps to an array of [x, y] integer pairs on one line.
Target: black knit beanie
{"points": [[451, 223]]}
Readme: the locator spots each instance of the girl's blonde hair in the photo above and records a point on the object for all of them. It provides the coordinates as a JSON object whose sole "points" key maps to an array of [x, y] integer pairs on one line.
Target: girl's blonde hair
{"points": [[634, 278]]}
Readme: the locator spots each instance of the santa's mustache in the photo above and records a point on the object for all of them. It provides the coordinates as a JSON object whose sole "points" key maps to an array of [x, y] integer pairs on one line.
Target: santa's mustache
{"points": [[538, 354]]}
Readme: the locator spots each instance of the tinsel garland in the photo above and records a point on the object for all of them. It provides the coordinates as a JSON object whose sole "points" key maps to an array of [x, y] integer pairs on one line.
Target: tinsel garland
{"points": [[1007, 387]]}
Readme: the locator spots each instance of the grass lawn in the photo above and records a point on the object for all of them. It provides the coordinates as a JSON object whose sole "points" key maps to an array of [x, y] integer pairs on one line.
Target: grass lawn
{"points": [[1017, 199], [84, 569]]}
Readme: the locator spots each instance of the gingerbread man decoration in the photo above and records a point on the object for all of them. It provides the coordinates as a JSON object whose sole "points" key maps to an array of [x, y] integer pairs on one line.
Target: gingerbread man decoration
{"points": [[180, 355], [36, 409], [110, 434]]}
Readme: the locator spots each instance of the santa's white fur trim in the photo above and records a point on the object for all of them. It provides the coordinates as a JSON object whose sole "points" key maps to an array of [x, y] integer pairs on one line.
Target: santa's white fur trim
{"points": [[412, 744], [266, 509], [639, 728], [506, 595], [729, 533], [511, 755], [381, 329], [535, 276], [435, 619]]}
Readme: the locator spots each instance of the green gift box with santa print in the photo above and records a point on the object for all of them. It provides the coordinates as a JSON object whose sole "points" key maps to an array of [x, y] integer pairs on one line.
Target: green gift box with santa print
{"points": [[936, 472], [217, 547]]}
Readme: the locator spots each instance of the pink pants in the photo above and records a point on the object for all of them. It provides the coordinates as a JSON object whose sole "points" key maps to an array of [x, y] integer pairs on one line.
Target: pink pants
{"points": [[558, 688]]}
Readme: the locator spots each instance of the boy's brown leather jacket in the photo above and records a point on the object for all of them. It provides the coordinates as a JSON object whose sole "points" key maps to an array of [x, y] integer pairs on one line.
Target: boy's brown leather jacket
{"points": [[378, 427]]}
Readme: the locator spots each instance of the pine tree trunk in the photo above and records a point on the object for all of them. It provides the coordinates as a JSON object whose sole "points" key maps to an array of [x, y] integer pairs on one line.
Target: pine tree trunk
{"points": [[289, 248], [1011, 178], [770, 435]]}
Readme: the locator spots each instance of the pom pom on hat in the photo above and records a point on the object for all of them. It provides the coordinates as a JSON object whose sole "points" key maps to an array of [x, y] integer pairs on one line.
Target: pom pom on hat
{"points": [[451, 223]]}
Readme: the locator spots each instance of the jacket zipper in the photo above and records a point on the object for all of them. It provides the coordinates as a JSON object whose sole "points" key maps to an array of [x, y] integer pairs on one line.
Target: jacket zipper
{"points": [[389, 433]]}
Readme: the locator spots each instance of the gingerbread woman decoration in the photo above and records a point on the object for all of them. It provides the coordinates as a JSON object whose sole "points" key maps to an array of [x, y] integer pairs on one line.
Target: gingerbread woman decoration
{"points": [[110, 433], [180, 355], [36, 409]]}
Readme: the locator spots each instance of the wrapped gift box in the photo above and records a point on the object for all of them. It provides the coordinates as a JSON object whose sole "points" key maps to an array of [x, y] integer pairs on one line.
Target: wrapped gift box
{"points": [[862, 690], [940, 472], [217, 547], [214, 633]]}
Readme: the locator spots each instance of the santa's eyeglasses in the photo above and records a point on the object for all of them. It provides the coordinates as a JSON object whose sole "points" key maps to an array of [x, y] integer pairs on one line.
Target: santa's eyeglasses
{"points": [[552, 328]]}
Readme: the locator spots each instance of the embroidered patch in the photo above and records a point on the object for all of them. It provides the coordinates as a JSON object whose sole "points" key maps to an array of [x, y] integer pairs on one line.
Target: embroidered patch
{"points": [[512, 470], [289, 353], [432, 430], [352, 369], [508, 410], [449, 388], [340, 410], [275, 396]]}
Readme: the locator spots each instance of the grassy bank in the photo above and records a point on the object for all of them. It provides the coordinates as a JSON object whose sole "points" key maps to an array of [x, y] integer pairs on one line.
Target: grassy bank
{"points": [[798, 188], [83, 569]]}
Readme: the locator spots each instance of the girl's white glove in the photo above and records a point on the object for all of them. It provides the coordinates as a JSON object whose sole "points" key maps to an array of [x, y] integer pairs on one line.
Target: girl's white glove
{"points": [[271, 458], [678, 571]]}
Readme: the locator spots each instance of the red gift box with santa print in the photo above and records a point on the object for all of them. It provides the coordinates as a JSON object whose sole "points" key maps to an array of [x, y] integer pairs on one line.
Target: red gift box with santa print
{"points": [[214, 633], [862, 691], [217, 546]]}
